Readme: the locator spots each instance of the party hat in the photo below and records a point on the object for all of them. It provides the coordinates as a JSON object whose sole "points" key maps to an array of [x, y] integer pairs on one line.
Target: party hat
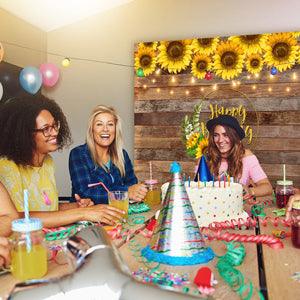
{"points": [[177, 239], [203, 173]]}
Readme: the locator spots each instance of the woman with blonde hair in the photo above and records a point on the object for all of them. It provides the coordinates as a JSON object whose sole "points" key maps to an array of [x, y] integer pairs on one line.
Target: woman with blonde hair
{"points": [[103, 159]]}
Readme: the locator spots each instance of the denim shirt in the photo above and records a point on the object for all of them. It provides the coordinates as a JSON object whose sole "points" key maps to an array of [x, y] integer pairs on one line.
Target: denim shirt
{"points": [[84, 171]]}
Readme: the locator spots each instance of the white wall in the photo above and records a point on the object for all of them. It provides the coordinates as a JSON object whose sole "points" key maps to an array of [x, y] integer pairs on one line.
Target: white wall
{"points": [[111, 36]]}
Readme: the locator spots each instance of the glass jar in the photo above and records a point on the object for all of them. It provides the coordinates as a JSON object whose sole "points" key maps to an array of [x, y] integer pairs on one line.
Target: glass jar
{"points": [[283, 191], [295, 222], [29, 252], [153, 196]]}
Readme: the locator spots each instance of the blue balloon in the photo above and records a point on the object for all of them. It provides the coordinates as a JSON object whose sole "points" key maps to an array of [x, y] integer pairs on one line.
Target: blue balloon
{"points": [[30, 79]]}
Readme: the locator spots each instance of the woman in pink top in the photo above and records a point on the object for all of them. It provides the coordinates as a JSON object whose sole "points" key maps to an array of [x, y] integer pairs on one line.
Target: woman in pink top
{"points": [[226, 153]]}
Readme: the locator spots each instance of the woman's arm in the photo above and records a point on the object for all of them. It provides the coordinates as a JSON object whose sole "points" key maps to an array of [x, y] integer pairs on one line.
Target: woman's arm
{"points": [[8, 212], [97, 213], [261, 188]]}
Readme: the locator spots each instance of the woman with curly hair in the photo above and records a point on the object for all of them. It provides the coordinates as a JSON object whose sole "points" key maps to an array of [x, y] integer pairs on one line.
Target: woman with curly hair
{"points": [[103, 159], [226, 153], [31, 128]]}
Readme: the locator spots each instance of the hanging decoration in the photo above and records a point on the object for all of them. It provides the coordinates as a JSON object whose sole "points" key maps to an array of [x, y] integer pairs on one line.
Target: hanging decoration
{"points": [[50, 74], [65, 62], [228, 60], [274, 71], [254, 63], [30, 79], [281, 51], [175, 56], [206, 46], [200, 65], [145, 60], [250, 43]]}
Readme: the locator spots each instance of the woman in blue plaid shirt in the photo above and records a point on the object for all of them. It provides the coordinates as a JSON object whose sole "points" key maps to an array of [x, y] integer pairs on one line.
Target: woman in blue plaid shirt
{"points": [[103, 159]]}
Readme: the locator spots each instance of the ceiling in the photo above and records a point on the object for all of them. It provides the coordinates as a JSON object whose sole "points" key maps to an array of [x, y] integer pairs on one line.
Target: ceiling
{"points": [[52, 14]]}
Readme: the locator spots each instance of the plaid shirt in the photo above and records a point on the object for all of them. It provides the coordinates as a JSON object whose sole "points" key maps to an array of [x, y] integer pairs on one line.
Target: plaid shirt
{"points": [[83, 171]]}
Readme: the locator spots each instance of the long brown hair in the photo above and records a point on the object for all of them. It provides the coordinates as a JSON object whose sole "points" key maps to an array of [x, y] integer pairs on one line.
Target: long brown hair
{"points": [[234, 158]]}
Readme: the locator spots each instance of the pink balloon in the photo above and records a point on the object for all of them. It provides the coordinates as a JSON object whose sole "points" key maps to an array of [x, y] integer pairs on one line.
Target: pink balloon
{"points": [[50, 74]]}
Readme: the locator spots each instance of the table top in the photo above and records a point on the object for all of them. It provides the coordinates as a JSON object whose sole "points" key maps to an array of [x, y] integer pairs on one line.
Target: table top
{"points": [[277, 266]]}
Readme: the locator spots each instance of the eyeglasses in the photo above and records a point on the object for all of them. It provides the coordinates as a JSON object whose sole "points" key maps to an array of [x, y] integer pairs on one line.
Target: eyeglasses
{"points": [[47, 130]]}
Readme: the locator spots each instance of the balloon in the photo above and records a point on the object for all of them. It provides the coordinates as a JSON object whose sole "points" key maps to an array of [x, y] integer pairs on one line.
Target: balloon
{"points": [[1, 90], [1, 52], [50, 74], [30, 79]]}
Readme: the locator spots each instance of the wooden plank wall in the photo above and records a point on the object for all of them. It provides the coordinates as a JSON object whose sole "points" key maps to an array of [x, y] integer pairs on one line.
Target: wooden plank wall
{"points": [[272, 111]]}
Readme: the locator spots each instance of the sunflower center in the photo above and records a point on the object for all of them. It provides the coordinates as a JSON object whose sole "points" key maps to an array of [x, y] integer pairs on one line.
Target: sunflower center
{"points": [[254, 63], [206, 42], [145, 61], [228, 59], [281, 50], [175, 50], [201, 65], [250, 39]]}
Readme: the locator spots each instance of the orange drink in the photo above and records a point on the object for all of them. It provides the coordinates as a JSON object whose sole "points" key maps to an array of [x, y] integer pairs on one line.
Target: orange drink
{"points": [[120, 200]]}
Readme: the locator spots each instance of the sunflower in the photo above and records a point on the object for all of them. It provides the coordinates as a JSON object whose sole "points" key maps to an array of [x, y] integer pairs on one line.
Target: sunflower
{"points": [[228, 60], [145, 59], [174, 56], [281, 51], [201, 63], [254, 63], [296, 34], [250, 43], [203, 144], [152, 45], [205, 46], [192, 140]]}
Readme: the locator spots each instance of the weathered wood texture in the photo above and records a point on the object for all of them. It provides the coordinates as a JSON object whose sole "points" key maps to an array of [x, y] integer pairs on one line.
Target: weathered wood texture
{"points": [[273, 112]]}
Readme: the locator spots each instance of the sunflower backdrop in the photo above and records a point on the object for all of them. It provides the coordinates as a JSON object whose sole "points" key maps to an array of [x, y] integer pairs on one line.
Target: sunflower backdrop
{"points": [[222, 57]]}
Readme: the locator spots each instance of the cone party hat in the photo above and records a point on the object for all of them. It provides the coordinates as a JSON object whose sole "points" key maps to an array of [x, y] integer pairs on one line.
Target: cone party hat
{"points": [[203, 174], [177, 239]]}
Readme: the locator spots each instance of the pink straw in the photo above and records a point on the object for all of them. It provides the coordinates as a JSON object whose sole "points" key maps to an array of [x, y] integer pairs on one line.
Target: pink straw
{"points": [[99, 183]]}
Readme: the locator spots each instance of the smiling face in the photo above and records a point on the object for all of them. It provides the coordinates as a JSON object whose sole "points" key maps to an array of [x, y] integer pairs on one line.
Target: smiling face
{"points": [[222, 140], [104, 130], [46, 132]]}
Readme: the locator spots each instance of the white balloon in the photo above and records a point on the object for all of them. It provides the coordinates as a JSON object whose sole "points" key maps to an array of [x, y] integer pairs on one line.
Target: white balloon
{"points": [[1, 90]]}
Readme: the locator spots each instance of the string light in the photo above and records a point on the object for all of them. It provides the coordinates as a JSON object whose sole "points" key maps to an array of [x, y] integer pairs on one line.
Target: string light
{"points": [[248, 76], [253, 87], [173, 79], [171, 92], [238, 82], [187, 92], [202, 89], [193, 80], [215, 87], [157, 72], [256, 75], [288, 89], [153, 80], [144, 86], [294, 76], [269, 89], [271, 76], [66, 62], [158, 90], [233, 83]]}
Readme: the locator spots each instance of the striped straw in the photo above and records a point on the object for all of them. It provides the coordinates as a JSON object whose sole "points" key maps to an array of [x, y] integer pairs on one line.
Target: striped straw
{"points": [[99, 183]]}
